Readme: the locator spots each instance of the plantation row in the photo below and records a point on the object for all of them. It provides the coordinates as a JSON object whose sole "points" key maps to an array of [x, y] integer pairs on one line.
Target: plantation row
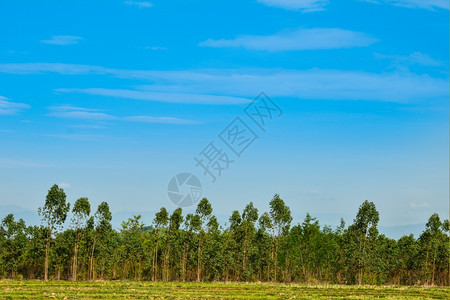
{"points": [[255, 247]]}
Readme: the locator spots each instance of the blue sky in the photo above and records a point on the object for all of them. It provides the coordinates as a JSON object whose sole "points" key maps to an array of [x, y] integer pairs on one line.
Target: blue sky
{"points": [[112, 99]]}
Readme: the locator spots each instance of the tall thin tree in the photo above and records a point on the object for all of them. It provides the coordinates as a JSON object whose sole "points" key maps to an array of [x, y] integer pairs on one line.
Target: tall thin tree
{"points": [[53, 213]]}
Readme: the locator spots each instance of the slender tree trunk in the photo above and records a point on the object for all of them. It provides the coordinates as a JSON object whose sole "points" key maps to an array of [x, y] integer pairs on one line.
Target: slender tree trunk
{"points": [[271, 262], [91, 261], [199, 251], [259, 269], [434, 266], [360, 262], [47, 250], [156, 262], [276, 260], [166, 264], [183, 264], [75, 261], [288, 267]]}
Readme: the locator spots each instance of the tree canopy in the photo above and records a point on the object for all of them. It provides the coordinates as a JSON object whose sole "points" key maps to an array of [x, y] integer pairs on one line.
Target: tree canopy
{"points": [[253, 246]]}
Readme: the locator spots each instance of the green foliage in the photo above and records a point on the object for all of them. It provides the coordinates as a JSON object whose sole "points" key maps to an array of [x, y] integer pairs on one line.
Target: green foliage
{"points": [[253, 247], [14, 242], [280, 215], [54, 212]]}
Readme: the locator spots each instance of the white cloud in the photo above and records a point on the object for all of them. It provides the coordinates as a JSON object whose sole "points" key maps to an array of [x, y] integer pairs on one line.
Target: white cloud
{"points": [[87, 126], [63, 40], [80, 113], [148, 119], [10, 163], [160, 96], [80, 137], [67, 69], [425, 4], [300, 39], [71, 112], [302, 5], [11, 108], [420, 205], [416, 58], [64, 185], [140, 4], [155, 48], [198, 86], [236, 86], [70, 107], [318, 5]]}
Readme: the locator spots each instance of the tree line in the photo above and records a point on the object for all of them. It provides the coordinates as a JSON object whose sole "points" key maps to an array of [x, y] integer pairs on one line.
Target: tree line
{"points": [[253, 247]]}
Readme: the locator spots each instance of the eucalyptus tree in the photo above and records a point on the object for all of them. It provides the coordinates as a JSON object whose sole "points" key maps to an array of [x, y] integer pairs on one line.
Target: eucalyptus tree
{"points": [[264, 245], [431, 240], [191, 225], [281, 218], [310, 243], [102, 219], [338, 264], [234, 247], [132, 244], [14, 244], [81, 211], [365, 231], [35, 251], [172, 240], [249, 217], [53, 213], [214, 250], [203, 211], [61, 254], [408, 250], [196, 248], [160, 222]]}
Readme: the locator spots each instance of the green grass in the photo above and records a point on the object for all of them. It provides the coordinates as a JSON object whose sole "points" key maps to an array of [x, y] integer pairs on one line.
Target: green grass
{"points": [[179, 290]]}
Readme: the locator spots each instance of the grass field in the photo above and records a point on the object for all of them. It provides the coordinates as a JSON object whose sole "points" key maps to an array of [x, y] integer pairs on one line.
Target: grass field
{"points": [[178, 290]]}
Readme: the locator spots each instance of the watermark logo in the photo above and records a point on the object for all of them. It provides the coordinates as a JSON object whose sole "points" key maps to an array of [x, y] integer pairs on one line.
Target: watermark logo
{"points": [[213, 161], [184, 189], [238, 136], [263, 110]]}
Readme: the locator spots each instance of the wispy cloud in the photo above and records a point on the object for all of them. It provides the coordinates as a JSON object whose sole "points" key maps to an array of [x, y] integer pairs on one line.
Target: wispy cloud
{"points": [[416, 58], [148, 119], [420, 205], [71, 112], [14, 53], [87, 126], [155, 48], [300, 39], [425, 4], [79, 137], [11, 163], [63, 40], [140, 4], [169, 97], [64, 185], [301, 5], [236, 86], [80, 113], [11, 108]]}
